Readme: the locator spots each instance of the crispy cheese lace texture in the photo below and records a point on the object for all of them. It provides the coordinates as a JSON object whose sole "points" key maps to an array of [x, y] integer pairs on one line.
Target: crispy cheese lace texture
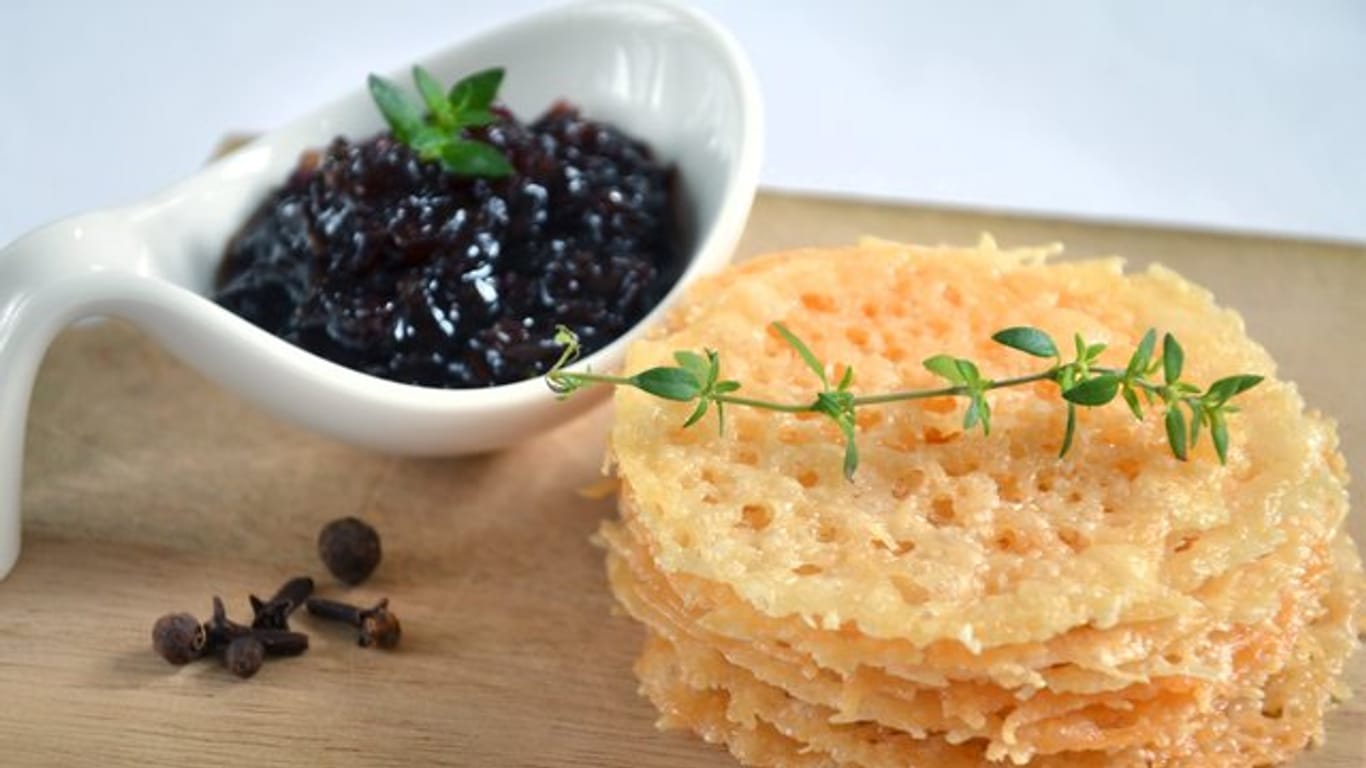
{"points": [[967, 599]]}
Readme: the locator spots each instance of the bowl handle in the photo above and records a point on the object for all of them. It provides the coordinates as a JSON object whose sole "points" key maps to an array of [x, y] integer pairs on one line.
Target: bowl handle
{"points": [[48, 278]]}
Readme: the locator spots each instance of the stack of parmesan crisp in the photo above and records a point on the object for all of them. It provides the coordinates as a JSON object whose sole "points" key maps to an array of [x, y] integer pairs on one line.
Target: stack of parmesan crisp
{"points": [[968, 600]]}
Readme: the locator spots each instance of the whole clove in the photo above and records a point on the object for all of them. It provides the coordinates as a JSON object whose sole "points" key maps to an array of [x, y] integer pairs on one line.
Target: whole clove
{"points": [[274, 613], [376, 624], [221, 631], [281, 642]]}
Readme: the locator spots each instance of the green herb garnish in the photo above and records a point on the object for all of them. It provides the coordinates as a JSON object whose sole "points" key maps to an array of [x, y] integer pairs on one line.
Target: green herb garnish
{"points": [[697, 378], [437, 135]]}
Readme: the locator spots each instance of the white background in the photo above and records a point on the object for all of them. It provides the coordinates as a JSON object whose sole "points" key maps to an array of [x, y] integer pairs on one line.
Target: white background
{"points": [[1218, 113]]}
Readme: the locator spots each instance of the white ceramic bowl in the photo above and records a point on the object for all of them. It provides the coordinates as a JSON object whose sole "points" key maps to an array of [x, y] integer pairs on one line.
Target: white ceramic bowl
{"points": [[663, 73]]}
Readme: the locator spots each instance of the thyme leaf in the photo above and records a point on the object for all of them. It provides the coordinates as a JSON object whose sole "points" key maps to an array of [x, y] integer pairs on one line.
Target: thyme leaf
{"points": [[438, 134]]}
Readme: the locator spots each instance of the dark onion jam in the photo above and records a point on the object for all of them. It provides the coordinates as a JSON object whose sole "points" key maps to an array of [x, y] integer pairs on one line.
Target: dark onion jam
{"points": [[385, 263]]}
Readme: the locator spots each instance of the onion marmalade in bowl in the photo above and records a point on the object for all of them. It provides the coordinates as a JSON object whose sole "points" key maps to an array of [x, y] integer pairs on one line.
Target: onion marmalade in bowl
{"points": [[379, 260]]}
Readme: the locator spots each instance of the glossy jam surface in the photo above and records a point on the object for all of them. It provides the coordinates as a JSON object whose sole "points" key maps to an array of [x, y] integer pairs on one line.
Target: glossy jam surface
{"points": [[385, 263]]}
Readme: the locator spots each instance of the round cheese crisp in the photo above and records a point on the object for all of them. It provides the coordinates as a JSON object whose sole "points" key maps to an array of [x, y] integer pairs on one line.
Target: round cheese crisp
{"points": [[973, 596], [943, 534]]}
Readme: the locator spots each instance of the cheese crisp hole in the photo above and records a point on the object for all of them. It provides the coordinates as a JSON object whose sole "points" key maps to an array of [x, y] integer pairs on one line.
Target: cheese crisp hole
{"points": [[908, 483], [938, 405], [941, 511], [748, 431], [807, 569], [747, 455], [819, 302], [897, 547], [1073, 539], [713, 492], [935, 437], [959, 466], [910, 591], [1185, 543], [868, 419], [1008, 488], [755, 517], [858, 337], [1128, 467], [809, 478], [1008, 541]]}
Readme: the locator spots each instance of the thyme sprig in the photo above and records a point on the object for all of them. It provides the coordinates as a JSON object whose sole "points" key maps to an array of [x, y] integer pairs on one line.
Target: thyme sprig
{"points": [[438, 134], [1081, 381]]}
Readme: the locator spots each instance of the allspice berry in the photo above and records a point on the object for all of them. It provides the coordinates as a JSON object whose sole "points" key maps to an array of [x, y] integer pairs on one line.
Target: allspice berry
{"points": [[349, 547], [178, 638], [244, 656]]}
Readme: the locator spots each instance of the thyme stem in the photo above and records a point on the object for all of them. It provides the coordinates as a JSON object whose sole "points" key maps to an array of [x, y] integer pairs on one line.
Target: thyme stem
{"points": [[697, 379], [955, 391], [767, 405]]}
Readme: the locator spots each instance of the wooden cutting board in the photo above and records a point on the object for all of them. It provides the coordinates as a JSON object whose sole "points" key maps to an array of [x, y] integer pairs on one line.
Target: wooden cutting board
{"points": [[148, 489]]}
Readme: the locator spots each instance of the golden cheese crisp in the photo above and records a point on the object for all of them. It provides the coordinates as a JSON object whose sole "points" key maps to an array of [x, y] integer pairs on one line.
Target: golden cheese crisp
{"points": [[969, 597]]}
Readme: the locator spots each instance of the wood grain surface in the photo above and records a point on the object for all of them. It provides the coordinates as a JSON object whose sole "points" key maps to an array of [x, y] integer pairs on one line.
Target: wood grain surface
{"points": [[149, 489]]}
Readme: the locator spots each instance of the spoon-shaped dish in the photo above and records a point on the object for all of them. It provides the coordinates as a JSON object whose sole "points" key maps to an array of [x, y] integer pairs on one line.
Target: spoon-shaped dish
{"points": [[663, 73]]}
